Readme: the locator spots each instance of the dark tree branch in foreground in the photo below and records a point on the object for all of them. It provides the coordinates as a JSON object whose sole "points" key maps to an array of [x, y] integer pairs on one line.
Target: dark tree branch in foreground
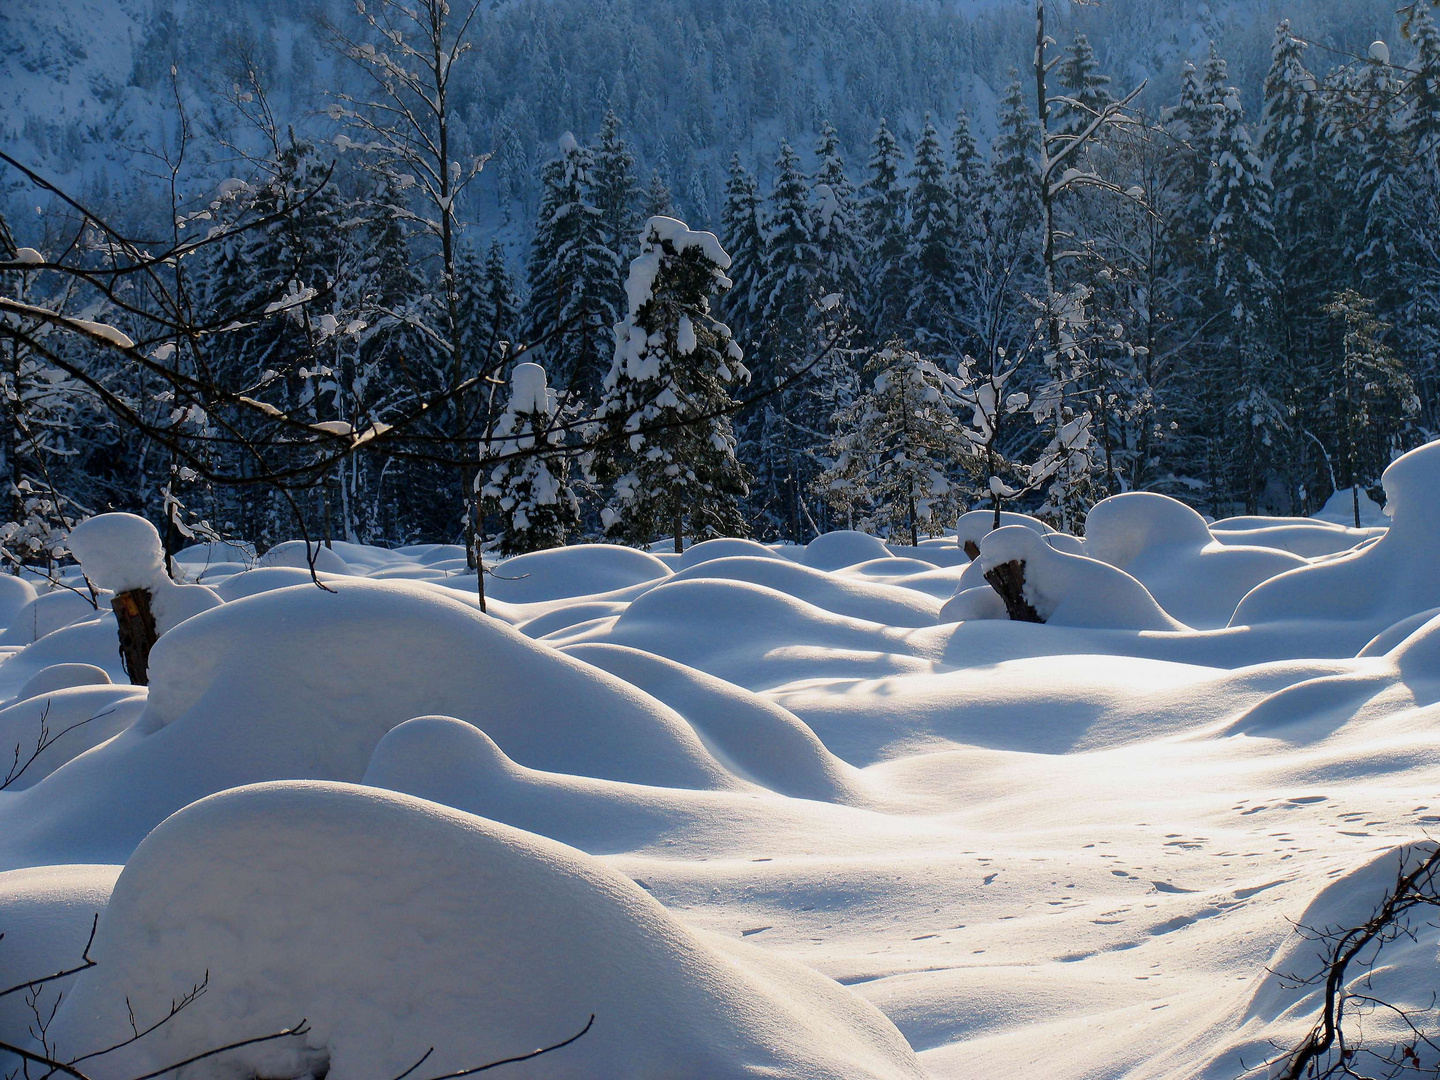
{"points": [[1334, 1047], [47, 1057]]}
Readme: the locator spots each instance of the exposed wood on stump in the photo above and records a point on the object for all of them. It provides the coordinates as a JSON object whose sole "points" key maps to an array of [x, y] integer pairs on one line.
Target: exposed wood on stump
{"points": [[136, 624], [1008, 579], [972, 549]]}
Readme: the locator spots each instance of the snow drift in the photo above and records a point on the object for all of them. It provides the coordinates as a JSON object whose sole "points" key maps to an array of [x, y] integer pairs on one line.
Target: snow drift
{"points": [[394, 925]]}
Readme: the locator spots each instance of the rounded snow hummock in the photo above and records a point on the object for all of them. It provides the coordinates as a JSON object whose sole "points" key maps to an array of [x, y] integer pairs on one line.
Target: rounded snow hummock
{"points": [[437, 929]]}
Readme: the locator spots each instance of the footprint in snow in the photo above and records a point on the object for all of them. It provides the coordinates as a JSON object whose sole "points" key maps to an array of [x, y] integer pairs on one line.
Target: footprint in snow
{"points": [[1167, 887]]}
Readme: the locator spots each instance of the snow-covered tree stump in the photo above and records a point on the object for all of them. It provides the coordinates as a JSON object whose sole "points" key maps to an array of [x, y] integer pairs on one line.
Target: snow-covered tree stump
{"points": [[121, 554], [1008, 580], [136, 625]]}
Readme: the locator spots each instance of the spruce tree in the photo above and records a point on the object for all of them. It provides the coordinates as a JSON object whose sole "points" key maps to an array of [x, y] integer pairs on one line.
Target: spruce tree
{"points": [[1016, 170], [571, 283], [740, 226], [781, 435], [529, 493], [668, 447], [792, 258], [657, 200], [882, 216], [615, 194], [932, 250], [1370, 397], [1242, 239], [1085, 91], [898, 448], [836, 239]]}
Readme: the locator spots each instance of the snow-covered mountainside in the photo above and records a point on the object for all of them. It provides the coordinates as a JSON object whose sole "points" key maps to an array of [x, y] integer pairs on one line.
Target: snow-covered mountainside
{"points": [[816, 811], [85, 84]]}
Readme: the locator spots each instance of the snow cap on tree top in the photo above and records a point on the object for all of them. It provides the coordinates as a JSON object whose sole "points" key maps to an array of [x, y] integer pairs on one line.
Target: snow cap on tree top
{"points": [[529, 392], [658, 231], [119, 552]]}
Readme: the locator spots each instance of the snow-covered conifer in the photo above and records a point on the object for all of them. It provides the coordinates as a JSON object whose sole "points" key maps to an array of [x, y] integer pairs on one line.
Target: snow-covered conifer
{"points": [[571, 275], [740, 227], [837, 240], [667, 444], [882, 216], [529, 493], [1085, 91], [898, 450], [932, 251]]}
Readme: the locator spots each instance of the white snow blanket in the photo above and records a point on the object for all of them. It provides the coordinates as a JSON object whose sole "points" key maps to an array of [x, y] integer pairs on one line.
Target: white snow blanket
{"points": [[762, 810]]}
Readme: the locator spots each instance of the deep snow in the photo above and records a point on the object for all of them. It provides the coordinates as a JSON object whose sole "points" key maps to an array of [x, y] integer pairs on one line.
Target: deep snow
{"points": [[762, 811]]}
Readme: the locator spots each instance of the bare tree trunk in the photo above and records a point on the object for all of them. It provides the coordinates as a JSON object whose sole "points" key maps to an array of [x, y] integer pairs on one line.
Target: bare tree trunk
{"points": [[1008, 579], [136, 626]]}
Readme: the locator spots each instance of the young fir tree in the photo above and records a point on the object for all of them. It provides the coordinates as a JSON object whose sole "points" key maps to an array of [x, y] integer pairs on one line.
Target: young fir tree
{"points": [[932, 249], [657, 200], [882, 216], [1370, 396], [667, 443], [570, 275], [836, 239], [969, 181], [792, 258], [1242, 240], [1015, 168], [488, 312], [898, 448], [780, 436], [615, 194], [740, 226], [1084, 90], [1305, 250], [530, 494]]}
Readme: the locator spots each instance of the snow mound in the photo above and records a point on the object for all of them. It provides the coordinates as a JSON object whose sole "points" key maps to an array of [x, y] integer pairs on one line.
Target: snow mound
{"points": [[870, 601], [1073, 590], [976, 524], [302, 683], [572, 571], [216, 551], [1378, 585], [751, 735], [1167, 546], [723, 548], [15, 593], [119, 552], [441, 930], [1305, 537], [46, 914], [76, 718], [297, 553], [973, 602], [835, 550], [1339, 509], [61, 677], [451, 762], [47, 613], [721, 627], [1405, 977], [1392, 636], [1123, 527]]}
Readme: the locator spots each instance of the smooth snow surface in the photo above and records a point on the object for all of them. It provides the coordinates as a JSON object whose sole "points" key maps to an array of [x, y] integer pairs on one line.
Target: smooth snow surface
{"points": [[479, 939], [751, 806]]}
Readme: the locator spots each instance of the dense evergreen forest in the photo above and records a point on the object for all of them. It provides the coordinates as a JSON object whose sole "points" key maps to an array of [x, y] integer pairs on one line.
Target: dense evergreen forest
{"points": [[1065, 290]]}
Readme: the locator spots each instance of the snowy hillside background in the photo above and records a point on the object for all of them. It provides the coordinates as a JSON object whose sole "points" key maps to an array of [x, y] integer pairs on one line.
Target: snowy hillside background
{"points": [[84, 83]]}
